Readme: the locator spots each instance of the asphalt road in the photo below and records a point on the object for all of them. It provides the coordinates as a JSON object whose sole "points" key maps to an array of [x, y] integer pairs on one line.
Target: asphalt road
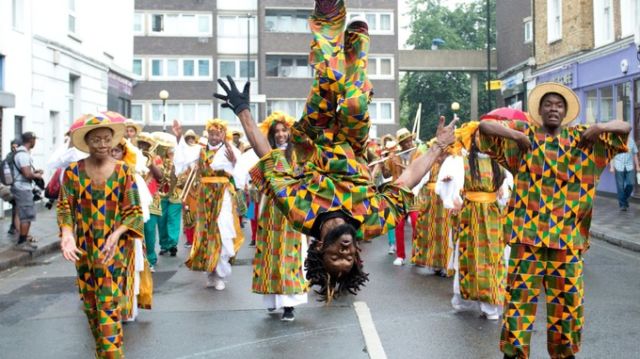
{"points": [[40, 315]]}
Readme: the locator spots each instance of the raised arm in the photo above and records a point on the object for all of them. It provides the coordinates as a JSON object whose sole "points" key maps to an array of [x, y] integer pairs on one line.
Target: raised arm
{"points": [[239, 103], [419, 168], [490, 128], [592, 134]]}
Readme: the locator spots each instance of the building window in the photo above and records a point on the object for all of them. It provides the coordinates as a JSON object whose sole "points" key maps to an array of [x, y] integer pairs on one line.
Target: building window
{"points": [[17, 14], [554, 20], [381, 111], [381, 67], [292, 107], [237, 69], [191, 112], [18, 123], [380, 23], [72, 96], [138, 23], [137, 67], [1, 72], [277, 20], [602, 22], [181, 24], [137, 112], [180, 69], [591, 111], [288, 66], [231, 118], [630, 11], [528, 30], [71, 17], [608, 103]]}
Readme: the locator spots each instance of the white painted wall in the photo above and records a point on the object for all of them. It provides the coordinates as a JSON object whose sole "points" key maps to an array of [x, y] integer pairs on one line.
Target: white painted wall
{"points": [[40, 57], [237, 5]]}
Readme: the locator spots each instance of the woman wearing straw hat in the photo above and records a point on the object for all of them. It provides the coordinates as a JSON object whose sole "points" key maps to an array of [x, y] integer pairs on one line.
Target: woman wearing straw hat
{"points": [[556, 169], [277, 265], [99, 215]]}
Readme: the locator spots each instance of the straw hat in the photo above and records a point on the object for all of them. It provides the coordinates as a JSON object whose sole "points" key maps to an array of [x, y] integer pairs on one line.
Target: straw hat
{"points": [[538, 92], [164, 139], [130, 123], [147, 138], [236, 132], [92, 122], [403, 134], [190, 133]]}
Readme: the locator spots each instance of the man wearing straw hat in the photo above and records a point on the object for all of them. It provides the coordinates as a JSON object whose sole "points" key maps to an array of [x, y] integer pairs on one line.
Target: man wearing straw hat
{"points": [[556, 169], [333, 200], [398, 161], [133, 129], [99, 216]]}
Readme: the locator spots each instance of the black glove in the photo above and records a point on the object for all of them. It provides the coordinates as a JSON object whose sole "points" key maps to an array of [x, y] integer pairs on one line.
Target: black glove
{"points": [[234, 99]]}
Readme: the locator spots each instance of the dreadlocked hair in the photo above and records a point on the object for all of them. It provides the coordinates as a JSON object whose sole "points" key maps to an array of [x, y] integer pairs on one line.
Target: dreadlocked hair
{"points": [[332, 286], [496, 170]]}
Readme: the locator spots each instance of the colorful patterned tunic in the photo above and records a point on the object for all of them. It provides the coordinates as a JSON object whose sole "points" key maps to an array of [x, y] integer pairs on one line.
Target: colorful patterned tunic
{"points": [[480, 237], [330, 139], [555, 183], [277, 265], [93, 212], [431, 244], [207, 243]]}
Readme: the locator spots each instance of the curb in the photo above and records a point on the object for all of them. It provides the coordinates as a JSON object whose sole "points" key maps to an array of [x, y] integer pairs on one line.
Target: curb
{"points": [[623, 243], [12, 258]]}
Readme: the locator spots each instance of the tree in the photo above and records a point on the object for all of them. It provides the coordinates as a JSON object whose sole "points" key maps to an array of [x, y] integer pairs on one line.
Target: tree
{"points": [[462, 28]]}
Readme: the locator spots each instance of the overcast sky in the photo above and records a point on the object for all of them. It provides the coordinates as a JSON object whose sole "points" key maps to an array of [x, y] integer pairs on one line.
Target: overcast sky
{"points": [[403, 33]]}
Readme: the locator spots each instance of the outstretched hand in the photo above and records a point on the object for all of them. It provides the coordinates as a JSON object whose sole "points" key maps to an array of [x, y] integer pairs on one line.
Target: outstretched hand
{"points": [[234, 99], [176, 127], [445, 135]]}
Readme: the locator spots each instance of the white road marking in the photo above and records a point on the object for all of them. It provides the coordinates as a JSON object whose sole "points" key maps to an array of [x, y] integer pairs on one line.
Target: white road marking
{"points": [[371, 338]]}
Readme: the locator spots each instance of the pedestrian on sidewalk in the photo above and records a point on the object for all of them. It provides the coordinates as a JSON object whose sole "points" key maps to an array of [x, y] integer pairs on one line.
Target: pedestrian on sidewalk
{"points": [[625, 165], [22, 189], [99, 216], [280, 251], [15, 221], [556, 169]]}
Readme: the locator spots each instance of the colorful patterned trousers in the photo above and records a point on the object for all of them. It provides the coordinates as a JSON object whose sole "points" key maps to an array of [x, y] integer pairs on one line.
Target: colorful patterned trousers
{"points": [[101, 289], [560, 271]]}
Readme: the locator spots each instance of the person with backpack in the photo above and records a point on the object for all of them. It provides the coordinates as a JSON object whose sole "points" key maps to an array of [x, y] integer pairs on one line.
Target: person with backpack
{"points": [[22, 189], [15, 223]]}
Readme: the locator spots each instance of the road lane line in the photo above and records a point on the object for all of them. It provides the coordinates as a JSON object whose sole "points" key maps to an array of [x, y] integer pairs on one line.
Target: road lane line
{"points": [[371, 338]]}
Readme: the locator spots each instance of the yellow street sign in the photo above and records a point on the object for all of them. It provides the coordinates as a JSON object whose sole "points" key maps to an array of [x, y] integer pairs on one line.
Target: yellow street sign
{"points": [[494, 85]]}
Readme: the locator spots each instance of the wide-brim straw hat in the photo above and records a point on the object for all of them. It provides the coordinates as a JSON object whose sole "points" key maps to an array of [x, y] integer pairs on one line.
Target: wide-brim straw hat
{"points": [[164, 139], [191, 133], [130, 123], [570, 97], [93, 122], [403, 134], [146, 137]]}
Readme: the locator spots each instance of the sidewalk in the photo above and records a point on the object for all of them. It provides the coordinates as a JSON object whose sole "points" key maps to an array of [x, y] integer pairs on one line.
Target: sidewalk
{"points": [[44, 229], [608, 224]]}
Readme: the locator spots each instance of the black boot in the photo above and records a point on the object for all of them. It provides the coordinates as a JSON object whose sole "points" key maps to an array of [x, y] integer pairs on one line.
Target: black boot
{"points": [[288, 316]]}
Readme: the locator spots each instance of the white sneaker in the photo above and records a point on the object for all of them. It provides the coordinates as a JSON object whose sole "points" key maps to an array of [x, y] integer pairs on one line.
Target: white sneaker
{"points": [[493, 317], [211, 280], [398, 262], [152, 269], [392, 249], [219, 284]]}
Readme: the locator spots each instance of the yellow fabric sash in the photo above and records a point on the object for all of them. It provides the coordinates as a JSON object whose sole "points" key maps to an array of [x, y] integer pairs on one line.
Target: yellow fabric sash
{"points": [[431, 186], [481, 197], [216, 179]]}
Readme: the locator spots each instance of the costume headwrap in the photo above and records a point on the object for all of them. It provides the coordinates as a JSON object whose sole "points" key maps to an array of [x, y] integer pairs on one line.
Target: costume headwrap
{"points": [[464, 135], [275, 118], [128, 153], [219, 125]]}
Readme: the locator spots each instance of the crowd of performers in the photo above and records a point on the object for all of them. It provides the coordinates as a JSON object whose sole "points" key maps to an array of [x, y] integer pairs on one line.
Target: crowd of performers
{"points": [[502, 205]]}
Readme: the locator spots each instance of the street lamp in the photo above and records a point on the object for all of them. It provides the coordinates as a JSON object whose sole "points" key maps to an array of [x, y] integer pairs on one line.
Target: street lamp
{"points": [[455, 107], [164, 95]]}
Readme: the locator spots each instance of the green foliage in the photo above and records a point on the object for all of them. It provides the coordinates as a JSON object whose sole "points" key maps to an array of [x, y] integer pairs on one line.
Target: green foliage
{"points": [[462, 28]]}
